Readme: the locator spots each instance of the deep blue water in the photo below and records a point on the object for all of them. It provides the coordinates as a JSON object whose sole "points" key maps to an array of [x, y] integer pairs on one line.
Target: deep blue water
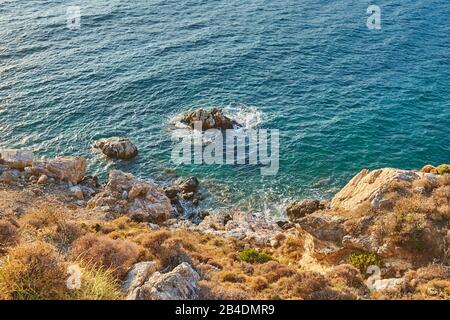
{"points": [[343, 97]]}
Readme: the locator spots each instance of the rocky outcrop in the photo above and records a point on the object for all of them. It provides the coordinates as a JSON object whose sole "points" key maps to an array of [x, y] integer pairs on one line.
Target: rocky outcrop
{"points": [[368, 189], [210, 119], [71, 169], [300, 209], [136, 277], [16, 158], [117, 148], [126, 194], [179, 284]]}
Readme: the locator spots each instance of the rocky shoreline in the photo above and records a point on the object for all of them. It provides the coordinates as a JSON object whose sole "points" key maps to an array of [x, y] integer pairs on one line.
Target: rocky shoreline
{"points": [[396, 220]]}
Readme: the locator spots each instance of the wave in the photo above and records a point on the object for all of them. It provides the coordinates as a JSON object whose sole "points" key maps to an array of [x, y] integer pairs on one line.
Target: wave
{"points": [[246, 117]]}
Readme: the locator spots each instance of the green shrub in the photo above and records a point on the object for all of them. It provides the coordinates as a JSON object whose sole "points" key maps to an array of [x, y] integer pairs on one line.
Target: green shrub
{"points": [[362, 260], [254, 256], [443, 169]]}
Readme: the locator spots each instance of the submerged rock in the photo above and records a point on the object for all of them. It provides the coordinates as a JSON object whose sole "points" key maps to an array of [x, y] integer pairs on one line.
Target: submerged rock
{"points": [[210, 119], [144, 201], [179, 284], [117, 148], [16, 158], [71, 169]]}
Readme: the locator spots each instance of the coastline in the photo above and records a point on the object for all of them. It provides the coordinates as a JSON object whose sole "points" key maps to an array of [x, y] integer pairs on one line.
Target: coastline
{"points": [[396, 221]]}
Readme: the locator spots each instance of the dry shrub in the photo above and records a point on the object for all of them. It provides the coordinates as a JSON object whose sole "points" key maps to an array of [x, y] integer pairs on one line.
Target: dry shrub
{"points": [[169, 250], [415, 203], [117, 255], [292, 248], [96, 284], [44, 216], [311, 285], [442, 195], [9, 234], [66, 233], [273, 271], [33, 271], [258, 283], [172, 253], [153, 240], [426, 183], [435, 289], [430, 272], [399, 186], [215, 291], [347, 277], [233, 277], [444, 180]]}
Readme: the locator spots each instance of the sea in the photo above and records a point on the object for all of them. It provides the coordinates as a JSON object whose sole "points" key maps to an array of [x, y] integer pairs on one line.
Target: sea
{"points": [[343, 96]]}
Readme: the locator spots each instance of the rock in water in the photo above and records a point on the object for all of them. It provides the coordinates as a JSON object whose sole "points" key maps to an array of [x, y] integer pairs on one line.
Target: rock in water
{"points": [[144, 202], [179, 284], [16, 159], [191, 184], [210, 119], [117, 148], [71, 169]]}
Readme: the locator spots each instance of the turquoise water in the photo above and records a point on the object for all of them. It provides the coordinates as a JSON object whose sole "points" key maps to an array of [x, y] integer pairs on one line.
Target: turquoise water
{"points": [[343, 97]]}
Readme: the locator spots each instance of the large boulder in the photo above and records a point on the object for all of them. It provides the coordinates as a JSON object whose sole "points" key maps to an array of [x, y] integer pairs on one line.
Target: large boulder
{"points": [[16, 158], [368, 188], [71, 169], [179, 284], [117, 148], [129, 195], [210, 119], [136, 277]]}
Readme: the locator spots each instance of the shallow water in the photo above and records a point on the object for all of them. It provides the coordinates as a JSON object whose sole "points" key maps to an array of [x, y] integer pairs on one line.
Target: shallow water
{"points": [[343, 97]]}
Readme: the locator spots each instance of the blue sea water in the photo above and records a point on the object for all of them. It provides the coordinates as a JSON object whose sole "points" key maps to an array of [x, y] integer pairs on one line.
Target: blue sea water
{"points": [[343, 97]]}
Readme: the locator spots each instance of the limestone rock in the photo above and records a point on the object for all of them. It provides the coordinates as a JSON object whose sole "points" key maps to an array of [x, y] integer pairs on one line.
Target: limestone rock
{"points": [[77, 192], [210, 119], [16, 158], [299, 209], [42, 179], [136, 277], [179, 284], [71, 169], [368, 188], [144, 202], [117, 148], [386, 284], [324, 227]]}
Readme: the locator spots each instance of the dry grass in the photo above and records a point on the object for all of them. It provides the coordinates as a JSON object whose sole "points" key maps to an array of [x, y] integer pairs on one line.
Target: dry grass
{"points": [[117, 255], [9, 234], [96, 284], [33, 271]]}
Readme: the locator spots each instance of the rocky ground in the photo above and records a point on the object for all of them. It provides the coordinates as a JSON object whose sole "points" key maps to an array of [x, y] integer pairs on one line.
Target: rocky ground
{"points": [[385, 235]]}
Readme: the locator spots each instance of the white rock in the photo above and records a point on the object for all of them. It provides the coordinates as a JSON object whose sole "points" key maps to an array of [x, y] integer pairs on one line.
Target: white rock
{"points": [[77, 192], [136, 277], [42, 179], [179, 284]]}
